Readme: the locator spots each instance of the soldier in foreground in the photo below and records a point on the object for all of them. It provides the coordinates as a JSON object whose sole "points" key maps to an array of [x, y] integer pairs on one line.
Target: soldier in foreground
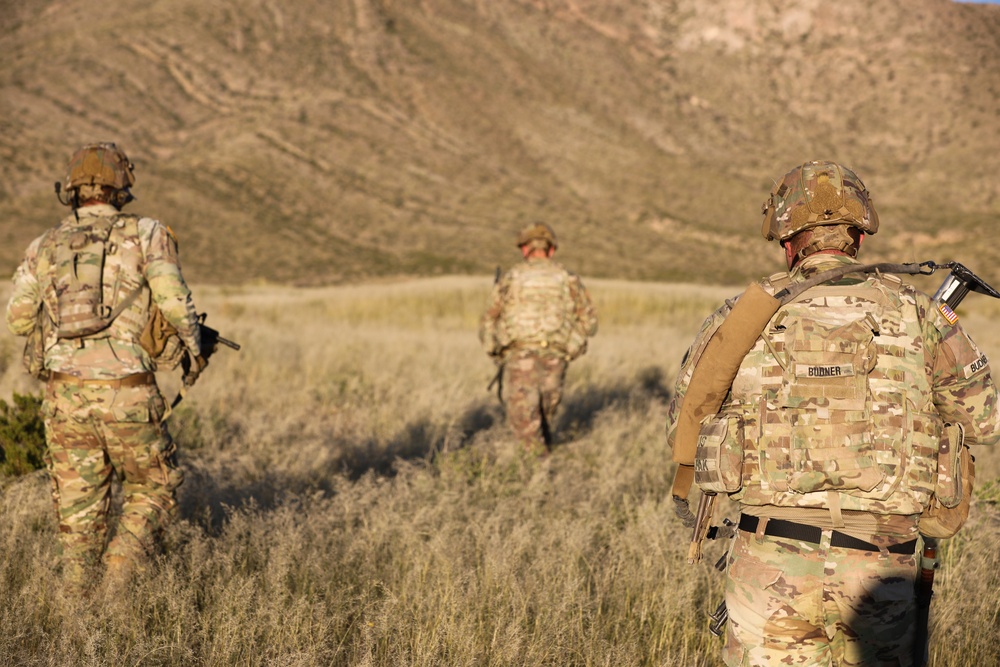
{"points": [[86, 293], [856, 394], [539, 319]]}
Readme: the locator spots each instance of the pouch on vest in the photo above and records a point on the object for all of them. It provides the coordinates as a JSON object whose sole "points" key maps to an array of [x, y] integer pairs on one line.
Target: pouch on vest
{"points": [[718, 461], [819, 422], [161, 341], [949, 508]]}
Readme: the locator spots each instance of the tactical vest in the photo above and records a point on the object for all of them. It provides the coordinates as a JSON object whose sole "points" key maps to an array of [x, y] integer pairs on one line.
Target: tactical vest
{"points": [[832, 408], [538, 309], [93, 274]]}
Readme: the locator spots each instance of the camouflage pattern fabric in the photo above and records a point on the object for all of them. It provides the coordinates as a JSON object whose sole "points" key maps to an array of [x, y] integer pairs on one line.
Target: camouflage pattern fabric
{"points": [[539, 318], [795, 603], [94, 429], [149, 260], [533, 392], [538, 304], [95, 433], [840, 426]]}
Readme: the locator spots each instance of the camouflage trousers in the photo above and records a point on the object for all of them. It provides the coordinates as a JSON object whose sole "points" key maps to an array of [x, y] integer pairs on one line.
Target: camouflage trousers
{"points": [[796, 603], [95, 433], [532, 393]]}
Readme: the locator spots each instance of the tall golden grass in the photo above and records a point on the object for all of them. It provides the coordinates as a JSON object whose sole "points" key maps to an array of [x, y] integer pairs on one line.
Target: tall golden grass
{"points": [[354, 498]]}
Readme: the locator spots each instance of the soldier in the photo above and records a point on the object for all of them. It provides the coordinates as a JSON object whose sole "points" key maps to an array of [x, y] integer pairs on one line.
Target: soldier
{"points": [[539, 319], [84, 295], [836, 417]]}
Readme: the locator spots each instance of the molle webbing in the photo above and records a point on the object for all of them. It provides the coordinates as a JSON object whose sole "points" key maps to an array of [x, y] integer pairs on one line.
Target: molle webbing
{"points": [[84, 258], [714, 374], [715, 371]]}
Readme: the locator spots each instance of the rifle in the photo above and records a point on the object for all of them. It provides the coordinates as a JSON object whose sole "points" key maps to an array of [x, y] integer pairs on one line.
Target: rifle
{"points": [[498, 381], [717, 620], [925, 590], [211, 339], [192, 365], [702, 526], [703, 530], [498, 378], [953, 290]]}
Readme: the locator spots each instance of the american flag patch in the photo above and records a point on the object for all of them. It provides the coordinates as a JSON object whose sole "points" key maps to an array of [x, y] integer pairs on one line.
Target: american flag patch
{"points": [[948, 313]]}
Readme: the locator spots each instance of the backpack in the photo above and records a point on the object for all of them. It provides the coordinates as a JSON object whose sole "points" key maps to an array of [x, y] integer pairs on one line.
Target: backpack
{"points": [[538, 308], [80, 257]]}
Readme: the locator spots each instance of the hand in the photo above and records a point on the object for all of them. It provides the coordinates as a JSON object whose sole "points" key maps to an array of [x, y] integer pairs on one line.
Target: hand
{"points": [[193, 365], [683, 511]]}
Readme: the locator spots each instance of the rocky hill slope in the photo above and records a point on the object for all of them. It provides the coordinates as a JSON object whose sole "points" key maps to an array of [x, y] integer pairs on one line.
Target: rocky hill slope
{"points": [[308, 142]]}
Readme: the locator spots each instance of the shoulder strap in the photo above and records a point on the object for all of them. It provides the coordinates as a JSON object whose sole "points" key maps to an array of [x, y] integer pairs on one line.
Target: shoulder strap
{"points": [[791, 292]]}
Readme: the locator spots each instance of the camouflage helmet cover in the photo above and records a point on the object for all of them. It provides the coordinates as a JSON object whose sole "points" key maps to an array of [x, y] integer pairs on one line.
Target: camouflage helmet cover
{"points": [[102, 164], [537, 231], [815, 194]]}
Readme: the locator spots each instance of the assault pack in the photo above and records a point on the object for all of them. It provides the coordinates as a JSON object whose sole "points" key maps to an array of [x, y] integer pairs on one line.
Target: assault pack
{"points": [[91, 288], [88, 282], [538, 311]]}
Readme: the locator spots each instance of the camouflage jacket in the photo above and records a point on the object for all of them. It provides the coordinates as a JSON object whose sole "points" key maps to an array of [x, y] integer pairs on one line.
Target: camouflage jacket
{"points": [[848, 414], [541, 306], [146, 262]]}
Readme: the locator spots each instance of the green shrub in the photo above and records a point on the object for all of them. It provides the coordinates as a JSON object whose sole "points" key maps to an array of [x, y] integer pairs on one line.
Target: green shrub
{"points": [[22, 435]]}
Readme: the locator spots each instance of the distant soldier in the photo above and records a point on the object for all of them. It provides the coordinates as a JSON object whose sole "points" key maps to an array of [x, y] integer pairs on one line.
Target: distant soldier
{"points": [[539, 319], [832, 436], [84, 295]]}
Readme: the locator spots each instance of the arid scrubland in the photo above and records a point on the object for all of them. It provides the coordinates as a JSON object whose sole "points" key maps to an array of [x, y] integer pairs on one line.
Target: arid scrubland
{"points": [[353, 498]]}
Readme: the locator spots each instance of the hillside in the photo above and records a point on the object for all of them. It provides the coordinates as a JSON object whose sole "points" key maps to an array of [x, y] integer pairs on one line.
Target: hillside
{"points": [[310, 142]]}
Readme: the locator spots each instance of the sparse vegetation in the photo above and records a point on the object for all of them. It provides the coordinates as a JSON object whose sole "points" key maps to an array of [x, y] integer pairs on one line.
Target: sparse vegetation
{"points": [[353, 498], [22, 435]]}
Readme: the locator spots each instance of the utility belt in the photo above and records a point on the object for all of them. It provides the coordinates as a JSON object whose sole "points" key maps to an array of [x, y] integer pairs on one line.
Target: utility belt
{"points": [[134, 380], [812, 534], [540, 346]]}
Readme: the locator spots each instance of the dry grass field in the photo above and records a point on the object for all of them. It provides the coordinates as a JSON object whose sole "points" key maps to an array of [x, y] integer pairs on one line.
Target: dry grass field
{"points": [[353, 498]]}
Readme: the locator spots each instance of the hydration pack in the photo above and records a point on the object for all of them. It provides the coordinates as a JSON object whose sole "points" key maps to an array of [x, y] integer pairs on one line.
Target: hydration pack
{"points": [[85, 267]]}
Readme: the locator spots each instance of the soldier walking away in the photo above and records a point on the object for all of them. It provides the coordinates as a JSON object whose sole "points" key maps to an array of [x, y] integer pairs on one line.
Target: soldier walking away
{"points": [[539, 319], [831, 437], [85, 295]]}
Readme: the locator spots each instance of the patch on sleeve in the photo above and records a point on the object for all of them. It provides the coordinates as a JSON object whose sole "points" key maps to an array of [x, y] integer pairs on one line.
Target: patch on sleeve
{"points": [[949, 315], [976, 366]]}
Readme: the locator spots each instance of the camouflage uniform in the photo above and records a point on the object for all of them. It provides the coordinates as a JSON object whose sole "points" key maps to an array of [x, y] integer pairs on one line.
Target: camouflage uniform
{"points": [[839, 425], [539, 319], [102, 407]]}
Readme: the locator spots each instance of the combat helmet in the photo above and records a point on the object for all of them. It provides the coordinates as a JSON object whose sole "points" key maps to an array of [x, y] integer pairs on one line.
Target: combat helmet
{"points": [[537, 232], [95, 167], [816, 194]]}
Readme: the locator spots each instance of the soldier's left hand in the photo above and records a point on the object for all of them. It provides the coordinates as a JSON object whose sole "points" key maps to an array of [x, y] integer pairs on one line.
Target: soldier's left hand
{"points": [[683, 511], [193, 365]]}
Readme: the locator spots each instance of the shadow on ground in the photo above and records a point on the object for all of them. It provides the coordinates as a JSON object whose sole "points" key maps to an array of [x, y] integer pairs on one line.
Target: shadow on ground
{"points": [[580, 409], [206, 494]]}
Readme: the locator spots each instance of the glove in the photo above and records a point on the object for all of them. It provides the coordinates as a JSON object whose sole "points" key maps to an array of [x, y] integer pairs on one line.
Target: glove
{"points": [[193, 365], [683, 511]]}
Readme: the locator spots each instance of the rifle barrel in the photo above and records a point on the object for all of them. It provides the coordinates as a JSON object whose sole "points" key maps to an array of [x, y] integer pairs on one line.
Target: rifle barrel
{"points": [[228, 343]]}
